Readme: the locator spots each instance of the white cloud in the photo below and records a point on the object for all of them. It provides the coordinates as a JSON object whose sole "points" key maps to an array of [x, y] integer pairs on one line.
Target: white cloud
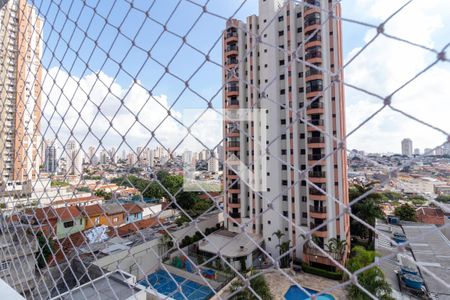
{"points": [[387, 64], [95, 101]]}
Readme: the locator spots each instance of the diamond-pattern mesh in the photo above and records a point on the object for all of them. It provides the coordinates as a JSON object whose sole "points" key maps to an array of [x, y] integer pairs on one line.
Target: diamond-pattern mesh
{"points": [[113, 220]]}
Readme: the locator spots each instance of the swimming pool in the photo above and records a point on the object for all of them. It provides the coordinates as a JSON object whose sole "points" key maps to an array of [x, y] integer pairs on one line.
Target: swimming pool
{"points": [[295, 293], [164, 284]]}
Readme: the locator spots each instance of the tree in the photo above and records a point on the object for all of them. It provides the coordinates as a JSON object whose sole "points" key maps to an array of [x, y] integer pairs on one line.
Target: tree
{"points": [[367, 209], [45, 249], [258, 284], [443, 198], [372, 279], [406, 212], [284, 247], [336, 247]]}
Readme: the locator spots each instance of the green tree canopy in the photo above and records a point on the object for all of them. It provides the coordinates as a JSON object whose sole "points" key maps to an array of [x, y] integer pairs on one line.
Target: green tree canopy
{"points": [[372, 280], [406, 212]]}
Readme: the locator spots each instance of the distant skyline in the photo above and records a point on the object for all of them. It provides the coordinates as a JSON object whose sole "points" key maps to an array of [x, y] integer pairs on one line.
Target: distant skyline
{"points": [[381, 68]]}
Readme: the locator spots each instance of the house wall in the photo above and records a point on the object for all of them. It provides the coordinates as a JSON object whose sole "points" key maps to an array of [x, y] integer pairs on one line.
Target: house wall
{"points": [[78, 225], [91, 221], [133, 217], [108, 220], [138, 261]]}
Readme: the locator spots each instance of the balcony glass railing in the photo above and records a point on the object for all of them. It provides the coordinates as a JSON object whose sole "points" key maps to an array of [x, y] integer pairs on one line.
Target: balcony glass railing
{"points": [[315, 156], [317, 209], [316, 174], [313, 140], [316, 122]]}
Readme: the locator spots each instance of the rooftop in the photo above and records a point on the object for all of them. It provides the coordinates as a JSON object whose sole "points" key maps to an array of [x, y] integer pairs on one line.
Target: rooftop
{"points": [[230, 244], [111, 286]]}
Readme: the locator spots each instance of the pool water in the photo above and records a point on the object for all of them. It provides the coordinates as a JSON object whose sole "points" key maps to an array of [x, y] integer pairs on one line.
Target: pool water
{"points": [[295, 293], [164, 284]]}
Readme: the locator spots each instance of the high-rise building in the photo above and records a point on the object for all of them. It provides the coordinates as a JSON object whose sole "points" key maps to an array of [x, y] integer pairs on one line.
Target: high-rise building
{"points": [[50, 162], [213, 162], [428, 152], [266, 76], [407, 147], [439, 151], [416, 151], [74, 158], [20, 104]]}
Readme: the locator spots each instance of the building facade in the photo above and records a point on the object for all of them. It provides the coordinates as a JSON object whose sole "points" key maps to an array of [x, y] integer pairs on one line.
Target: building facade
{"points": [[20, 93], [50, 163], [407, 147], [282, 75], [74, 158]]}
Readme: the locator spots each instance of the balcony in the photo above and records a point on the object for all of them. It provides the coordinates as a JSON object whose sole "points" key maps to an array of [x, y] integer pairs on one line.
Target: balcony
{"points": [[315, 156], [233, 144], [231, 34], [232, 102], [314, 226], [316, 140], [312, 72], [232, 47], [317, 174], [313, 54], [231, 61], [317, 209], [235, 215], [314, 191], [312, 3], [316, 122]]}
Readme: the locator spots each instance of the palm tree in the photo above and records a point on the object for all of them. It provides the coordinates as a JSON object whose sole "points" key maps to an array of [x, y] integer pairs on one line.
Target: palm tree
{"points": [[258, 284], [279, 234], [284, 247], [336, 247]]}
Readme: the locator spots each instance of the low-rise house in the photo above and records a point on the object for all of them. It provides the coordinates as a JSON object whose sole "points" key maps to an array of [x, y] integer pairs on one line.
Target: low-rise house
{"points": [[133, 212], [131, 228], [69, 221], [92, 215], [114, 215]]}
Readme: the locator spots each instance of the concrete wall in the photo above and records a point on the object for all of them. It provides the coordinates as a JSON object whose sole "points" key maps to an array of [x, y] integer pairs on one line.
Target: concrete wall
{"points": [[209, 221], [78, 225], [138, 261]]}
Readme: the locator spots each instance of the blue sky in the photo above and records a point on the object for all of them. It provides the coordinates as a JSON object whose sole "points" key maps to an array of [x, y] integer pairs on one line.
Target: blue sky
{"points": [[78, 34]]}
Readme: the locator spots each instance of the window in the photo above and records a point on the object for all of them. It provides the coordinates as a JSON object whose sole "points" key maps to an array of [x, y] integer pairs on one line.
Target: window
{"points": [[280, 33], [68, 224], [4, 265], [280, 18], [282, 77], [282, 62], [115, 219], [97, 220], [304, 215]]}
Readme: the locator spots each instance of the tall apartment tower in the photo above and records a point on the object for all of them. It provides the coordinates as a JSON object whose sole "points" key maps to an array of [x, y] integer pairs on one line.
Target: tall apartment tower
{"points": [[20, 91], [407, 147], [50, 162], [74, 158], [261, 72]]}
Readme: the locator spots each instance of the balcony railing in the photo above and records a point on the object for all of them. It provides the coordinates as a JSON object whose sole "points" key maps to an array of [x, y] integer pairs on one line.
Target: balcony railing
{"points": [[314, 226], [231, 34], [313, 54], [235, 215], [315, 156], [317, 209], [315, 105], [314, 139], [313, 38], [231, 48], [314, 191], [312, 71], [316, 174], [233, 144], [232, 62], [233, 102], [314, 88], [316, 122]]}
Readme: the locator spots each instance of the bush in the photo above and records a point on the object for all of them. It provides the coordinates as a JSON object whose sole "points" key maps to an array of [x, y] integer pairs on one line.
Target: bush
{"points": [[320, 272]]}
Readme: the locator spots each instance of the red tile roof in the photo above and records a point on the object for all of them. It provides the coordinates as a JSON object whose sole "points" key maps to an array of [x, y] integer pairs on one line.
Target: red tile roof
{"points": [[135, 226], [132, 208], [430, 211], [67, 213], [92, 210], [42, 214]]}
